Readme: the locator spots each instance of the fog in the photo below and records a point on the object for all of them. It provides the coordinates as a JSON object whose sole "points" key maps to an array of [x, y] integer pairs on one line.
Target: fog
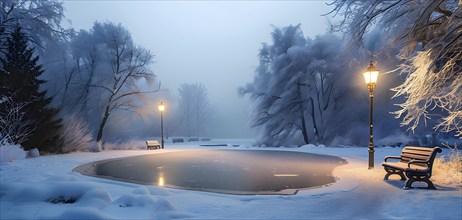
{"points": [[213, 43]]}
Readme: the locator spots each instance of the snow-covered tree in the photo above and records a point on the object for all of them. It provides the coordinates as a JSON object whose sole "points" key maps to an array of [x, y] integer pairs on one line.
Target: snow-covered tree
{"points": [[21, 96], [39, 19], [108, 73], [294, 91], [194, 107], [429, 33]]}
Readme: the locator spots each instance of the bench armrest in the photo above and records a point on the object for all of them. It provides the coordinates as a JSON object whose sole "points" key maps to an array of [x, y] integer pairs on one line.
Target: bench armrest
{"points": [[392, 157], [417, 162]]}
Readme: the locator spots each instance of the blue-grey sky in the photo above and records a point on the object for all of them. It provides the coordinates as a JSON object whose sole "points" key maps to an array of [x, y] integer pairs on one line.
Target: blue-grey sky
{"points": [[211, 42]]}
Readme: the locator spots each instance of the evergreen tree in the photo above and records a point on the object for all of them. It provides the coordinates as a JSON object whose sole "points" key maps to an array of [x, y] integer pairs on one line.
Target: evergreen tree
{"points": [[20, 84]]}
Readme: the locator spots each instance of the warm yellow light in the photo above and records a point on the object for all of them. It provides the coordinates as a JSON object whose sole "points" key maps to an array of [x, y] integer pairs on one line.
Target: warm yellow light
{"points": [[371, 77], [161, 181], [286, 174], [161, 107], [371, 74]]}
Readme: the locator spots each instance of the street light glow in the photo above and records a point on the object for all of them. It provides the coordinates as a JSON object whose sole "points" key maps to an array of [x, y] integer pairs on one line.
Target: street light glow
{"points": [[371, 74], [161, 107]]}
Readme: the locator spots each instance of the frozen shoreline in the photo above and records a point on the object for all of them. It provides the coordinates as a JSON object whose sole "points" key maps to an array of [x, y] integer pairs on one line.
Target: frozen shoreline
{"points": [[28, 186]]}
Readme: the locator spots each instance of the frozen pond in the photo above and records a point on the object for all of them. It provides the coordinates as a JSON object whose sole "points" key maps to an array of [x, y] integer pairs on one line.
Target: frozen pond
{"points": [[223, 171]]}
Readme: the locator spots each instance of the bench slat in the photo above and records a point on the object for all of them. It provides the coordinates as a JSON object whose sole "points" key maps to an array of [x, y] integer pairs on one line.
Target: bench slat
{"points": [[150, 143], [417, 157], [423, 152], [419, 149], [427, 154], [404, 166]]}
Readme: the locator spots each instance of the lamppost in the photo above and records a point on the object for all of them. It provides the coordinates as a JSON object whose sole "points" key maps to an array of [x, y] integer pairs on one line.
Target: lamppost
{"points": [[370, 75], [162, 109]]}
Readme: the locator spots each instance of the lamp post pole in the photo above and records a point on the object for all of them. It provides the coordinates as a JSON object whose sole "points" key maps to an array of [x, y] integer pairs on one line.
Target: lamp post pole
{"points": [[161, 109], [162, 129], [370, 75], [371, 128]]}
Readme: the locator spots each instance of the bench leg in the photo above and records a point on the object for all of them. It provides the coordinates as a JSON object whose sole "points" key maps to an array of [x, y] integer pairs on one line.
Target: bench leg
{"points": [[430, 184], [409, 181], [418, 177], [391, 171]]}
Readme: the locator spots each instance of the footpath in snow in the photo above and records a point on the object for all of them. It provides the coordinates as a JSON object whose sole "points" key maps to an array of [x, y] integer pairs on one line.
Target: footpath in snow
{"points": [[46, 188]]}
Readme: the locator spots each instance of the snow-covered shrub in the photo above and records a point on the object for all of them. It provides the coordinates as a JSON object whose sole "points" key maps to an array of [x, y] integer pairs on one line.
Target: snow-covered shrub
{"points": [[75, 136], [448, 169], [96, 147], [10, 152], [33, 153]]}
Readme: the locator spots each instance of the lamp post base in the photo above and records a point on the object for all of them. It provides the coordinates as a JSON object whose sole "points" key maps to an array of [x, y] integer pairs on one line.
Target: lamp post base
{"points": [[371, 157]]}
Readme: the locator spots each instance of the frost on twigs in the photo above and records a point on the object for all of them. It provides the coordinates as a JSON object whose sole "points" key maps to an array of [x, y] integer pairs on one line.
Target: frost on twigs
{"points": [[432, 85], [14, 122], [75, 135], [429, 34]]}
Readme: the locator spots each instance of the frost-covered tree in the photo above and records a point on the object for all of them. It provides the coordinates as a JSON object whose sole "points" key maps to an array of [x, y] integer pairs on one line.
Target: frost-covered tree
{"points": [[194, 107], [80, 58], [40, 19], [429, 33], [20, 91], [294, 91], [108, 73]]}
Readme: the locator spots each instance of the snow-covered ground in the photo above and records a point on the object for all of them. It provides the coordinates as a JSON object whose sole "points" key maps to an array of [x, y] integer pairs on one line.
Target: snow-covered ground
{"points": [[46, 188]]}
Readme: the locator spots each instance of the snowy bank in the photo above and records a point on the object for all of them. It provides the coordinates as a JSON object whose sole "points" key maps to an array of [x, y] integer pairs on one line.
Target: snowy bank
{"points": [[46, 188]]}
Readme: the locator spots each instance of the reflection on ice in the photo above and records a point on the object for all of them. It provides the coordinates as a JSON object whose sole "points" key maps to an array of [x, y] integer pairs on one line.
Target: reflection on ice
{"points": [[285, 174], [161, 181]]}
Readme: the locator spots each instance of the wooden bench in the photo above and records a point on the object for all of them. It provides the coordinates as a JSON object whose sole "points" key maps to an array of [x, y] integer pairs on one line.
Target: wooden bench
{"points": [[177, 140], [193, 139], [152, 145], [415, 162]]}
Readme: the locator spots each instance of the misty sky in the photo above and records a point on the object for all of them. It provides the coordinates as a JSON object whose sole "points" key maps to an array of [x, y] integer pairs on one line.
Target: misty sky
{"points": [[211, 42]]}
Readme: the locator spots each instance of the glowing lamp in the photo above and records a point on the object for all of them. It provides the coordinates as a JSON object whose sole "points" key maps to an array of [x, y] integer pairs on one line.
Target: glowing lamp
{"points": [[371, 74], [161, 107]]}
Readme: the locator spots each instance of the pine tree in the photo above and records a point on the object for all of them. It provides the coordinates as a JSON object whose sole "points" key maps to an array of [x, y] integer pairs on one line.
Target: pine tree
{"points": [[20, 83]]}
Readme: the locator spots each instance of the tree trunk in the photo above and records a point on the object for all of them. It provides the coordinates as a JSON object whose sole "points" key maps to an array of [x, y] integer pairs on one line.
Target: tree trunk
{"points": [[101, 126], [304, 131], [313, 118], [302, 112]]}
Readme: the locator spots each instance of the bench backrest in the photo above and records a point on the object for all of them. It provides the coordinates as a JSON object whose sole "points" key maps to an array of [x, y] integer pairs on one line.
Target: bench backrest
{"points": [[420, 153], [152, 143]]}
